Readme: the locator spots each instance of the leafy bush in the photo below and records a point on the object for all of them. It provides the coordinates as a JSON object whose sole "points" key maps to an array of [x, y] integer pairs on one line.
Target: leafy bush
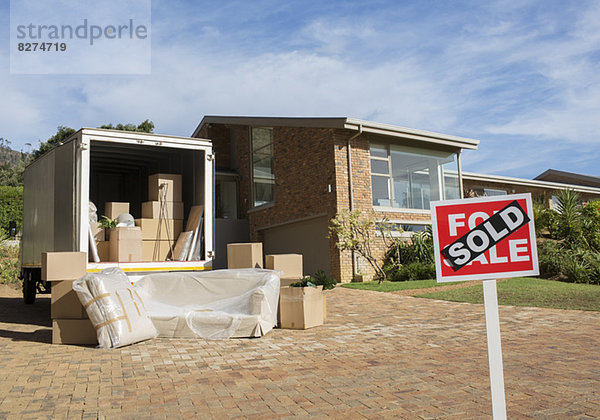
{"points": [[317, 279], [11, 207], [9, 263], [569, 244], [413, 271], [411, 259]]}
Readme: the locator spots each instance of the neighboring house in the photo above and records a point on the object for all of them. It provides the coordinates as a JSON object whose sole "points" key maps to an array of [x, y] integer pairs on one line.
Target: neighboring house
{"points": [[477, 185], [280, 180], [562, 177]]}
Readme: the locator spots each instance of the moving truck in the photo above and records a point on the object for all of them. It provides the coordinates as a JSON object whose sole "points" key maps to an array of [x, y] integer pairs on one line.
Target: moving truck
{"points": [[99, 166]]}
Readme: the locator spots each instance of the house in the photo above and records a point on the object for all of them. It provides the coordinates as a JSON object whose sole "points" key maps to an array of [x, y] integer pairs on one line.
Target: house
{"points": [[280, 180], [543, 188]]}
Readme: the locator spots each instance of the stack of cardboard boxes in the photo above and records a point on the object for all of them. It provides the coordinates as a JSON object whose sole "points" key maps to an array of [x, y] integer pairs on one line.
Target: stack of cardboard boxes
{"points": [[70, 324], [299, 307], [157, 243]]}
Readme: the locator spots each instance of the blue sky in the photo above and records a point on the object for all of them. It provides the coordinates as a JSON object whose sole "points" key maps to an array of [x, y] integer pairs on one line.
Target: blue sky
{"points": [[522, 77]]}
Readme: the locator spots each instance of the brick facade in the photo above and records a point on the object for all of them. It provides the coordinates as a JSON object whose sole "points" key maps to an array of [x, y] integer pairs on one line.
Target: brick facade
{"points": [[311, 180]]}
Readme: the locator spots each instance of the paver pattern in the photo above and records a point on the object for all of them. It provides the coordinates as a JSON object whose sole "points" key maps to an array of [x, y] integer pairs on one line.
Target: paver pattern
{"points": [[378, 356]]}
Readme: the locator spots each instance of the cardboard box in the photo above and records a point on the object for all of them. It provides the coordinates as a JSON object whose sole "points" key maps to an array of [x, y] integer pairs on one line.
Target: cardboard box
{"points": [[289, 264], [151, 210], [149, 229], [97, 231], [113, 209], [103, 250], [245, 255], [301, 307], [73, 331], [64, 302], [173, 182], [58, 266], [164, 248], [125, 244]]}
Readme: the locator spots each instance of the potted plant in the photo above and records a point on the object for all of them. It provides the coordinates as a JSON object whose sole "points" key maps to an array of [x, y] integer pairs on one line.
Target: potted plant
{"points": [[303, 303]]}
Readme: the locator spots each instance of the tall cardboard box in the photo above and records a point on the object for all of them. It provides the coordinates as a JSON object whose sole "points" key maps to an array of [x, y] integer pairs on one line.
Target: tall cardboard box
{"points": [[126, 244], [289, 264], [151, 210], [245, 255], [149, 229], [64, 302], [58, 266], [103, 250], [301, 307], [73, 331], [163, 249], [113, 209], [173, 182]]}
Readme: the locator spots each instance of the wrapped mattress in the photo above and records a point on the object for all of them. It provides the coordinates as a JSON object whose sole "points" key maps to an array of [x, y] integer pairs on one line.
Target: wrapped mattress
{"points": [[115, 308], [215, 304]]}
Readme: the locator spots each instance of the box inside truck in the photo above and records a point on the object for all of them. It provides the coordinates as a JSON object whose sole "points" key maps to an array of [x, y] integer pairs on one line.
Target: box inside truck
{"points": [[120, 173]]}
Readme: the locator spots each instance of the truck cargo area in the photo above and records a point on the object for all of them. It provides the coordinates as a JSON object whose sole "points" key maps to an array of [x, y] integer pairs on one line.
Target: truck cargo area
{"points": [[100, 166]]}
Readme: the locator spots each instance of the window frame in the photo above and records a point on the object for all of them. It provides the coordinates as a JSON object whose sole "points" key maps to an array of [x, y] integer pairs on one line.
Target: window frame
{"points": [[254, 179], [390, 177]]}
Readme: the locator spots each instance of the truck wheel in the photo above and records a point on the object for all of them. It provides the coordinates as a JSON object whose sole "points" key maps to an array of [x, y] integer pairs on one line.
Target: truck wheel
{"points": [[28, 288]]}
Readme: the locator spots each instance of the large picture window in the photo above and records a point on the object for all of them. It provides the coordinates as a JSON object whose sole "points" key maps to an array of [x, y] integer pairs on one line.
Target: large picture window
{"points": [[263, 177], [409, 178]]}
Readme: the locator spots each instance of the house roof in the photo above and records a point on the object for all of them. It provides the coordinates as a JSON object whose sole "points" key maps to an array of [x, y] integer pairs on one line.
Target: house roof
{"points": [[353, 124], [554, 175], [529, 182]]}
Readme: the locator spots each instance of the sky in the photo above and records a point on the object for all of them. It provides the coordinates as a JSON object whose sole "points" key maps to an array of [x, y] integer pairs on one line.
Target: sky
{"points": [[522, 77]]}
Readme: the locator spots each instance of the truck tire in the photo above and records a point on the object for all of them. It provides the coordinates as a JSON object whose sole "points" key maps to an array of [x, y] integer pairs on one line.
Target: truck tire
{"points": [[29, 287]]}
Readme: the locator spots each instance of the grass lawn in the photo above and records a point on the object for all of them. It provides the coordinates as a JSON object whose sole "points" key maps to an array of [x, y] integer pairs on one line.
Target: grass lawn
{"points": [[392, 286], [530, 292]]}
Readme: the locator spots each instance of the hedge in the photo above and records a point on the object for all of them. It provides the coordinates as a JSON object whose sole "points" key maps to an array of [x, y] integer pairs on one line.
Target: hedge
{"points": [[11, 207]]}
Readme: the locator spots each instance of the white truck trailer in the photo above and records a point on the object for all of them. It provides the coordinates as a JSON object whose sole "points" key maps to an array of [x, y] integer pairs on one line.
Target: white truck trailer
{"points": [[101, 166]]}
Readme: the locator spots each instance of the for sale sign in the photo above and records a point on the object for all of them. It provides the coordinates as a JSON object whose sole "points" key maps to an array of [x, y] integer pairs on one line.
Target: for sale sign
{"points": [[484, 238]]}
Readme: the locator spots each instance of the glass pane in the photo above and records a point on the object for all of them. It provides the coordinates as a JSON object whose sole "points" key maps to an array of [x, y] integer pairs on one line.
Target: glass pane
{"points": [[418, 177], [378, 150], [263, 192], [490, 192], [451, 184], [226, 197], [380, 190], [379, 166], [261, 137]]}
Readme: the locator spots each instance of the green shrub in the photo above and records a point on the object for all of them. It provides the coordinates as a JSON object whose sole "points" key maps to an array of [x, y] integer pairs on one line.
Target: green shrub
{"points": [[550, 257], [317, 279], [11, 207], [9, 263], [413, 271]]}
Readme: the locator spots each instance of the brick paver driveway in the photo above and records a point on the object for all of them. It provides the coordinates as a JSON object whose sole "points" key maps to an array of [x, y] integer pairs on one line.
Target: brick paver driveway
{"points": [[379, 355]]}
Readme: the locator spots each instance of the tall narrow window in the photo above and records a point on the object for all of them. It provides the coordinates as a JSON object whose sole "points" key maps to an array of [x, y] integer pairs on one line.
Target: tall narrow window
{"points": [[263, 177]]}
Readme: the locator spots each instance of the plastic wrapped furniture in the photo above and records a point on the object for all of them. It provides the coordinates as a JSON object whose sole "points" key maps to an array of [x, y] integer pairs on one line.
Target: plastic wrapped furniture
{"points": [[215, 304], [115, 309]]}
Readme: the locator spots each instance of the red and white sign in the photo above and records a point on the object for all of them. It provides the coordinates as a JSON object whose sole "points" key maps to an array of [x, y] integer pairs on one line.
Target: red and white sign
{"points": [[484, 238]]}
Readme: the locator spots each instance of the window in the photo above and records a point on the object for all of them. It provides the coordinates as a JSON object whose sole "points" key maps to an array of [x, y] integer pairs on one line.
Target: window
{"points": [[409, 178], [263, 177], [491, 192], [226, 196], [401, 229]]}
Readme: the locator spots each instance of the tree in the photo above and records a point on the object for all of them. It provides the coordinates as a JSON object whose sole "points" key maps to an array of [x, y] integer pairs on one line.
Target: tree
{"points": [[63, 133], [144, 127], [356, 231]]}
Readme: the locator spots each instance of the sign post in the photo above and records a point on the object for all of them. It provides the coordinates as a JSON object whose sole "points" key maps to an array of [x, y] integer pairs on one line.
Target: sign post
{"points": [[485, 239]]}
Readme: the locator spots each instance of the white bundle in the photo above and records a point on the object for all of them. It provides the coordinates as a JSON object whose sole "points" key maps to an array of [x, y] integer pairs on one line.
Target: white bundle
{"points": [[115, 308]]}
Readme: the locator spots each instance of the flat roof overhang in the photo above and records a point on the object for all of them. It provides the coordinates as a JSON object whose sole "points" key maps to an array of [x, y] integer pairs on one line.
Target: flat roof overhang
{"points": [[352, 124], [528, 182]]}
